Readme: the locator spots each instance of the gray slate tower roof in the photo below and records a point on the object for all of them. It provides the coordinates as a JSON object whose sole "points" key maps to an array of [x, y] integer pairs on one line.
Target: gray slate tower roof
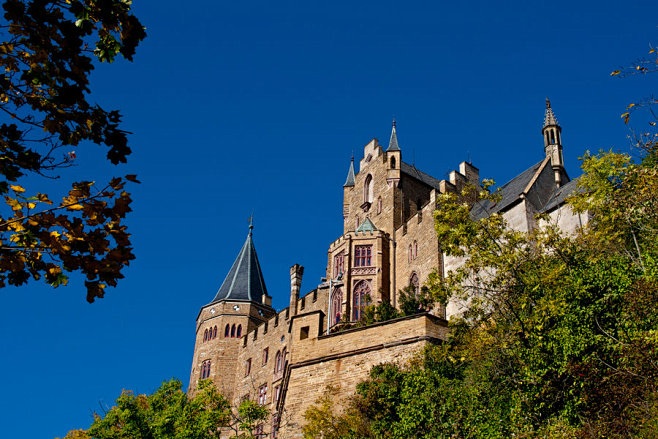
{"points": [[393, 143], [245, 279], [350, 175], [549, 116]]}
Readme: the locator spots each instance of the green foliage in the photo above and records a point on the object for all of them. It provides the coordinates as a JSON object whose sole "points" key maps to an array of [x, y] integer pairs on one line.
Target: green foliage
{"points": [[413, 303], [44, 88], [560, 334], [171, 413]]}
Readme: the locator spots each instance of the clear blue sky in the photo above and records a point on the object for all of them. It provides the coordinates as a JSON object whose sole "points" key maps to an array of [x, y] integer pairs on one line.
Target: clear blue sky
{"points": [[241, 106]]}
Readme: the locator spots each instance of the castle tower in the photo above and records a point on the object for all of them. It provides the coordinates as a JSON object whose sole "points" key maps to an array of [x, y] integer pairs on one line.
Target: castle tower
{"points": [[240, 305], [552, 133]]}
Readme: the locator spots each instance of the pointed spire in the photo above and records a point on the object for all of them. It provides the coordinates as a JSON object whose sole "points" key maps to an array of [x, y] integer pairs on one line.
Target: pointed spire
{"points": [[393, 143], [350, 175], [549, 116], [244, 280]]}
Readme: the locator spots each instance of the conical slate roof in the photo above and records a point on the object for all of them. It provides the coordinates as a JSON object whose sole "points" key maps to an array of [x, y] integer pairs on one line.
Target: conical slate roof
{"points": [[393, 143], [245, 279], [350, 175], [549, 116]]}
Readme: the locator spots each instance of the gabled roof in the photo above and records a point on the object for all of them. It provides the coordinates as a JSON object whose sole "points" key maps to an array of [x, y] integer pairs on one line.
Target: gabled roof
{"points": [[412, 171], [366, 226], [510, 192], [244, 280], [561, 194]]}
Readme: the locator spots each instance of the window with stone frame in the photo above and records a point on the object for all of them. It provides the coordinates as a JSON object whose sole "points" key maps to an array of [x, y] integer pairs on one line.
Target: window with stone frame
{"points": [[266, 355], [205, 335], [411, 253], [413, 281], [368, 189], [277, 394], [339, 264], [336, 306], [262, 394], [275, 425], [214, 332], [227, 330], [239, 331], [233, 331], [363, 255], [361, 299], [247, 367], [205, 369], [379, 205], [277, 363], [415, 249]]}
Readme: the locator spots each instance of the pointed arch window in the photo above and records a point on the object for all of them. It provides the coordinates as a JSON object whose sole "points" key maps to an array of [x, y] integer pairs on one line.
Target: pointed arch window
{"points": [[368, 189], [552, 136], [410, 256], [413, 280], [339, 264], [336, 306], [205, 369], [278, 366], [393, 162], [379, 205], [415, 249], [227, 330], [233, 331], [214, 332], [361, 299], [239, 332], [205, 335]]}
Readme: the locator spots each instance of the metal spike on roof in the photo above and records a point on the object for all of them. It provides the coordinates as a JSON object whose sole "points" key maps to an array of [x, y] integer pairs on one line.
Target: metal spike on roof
{"points": [[244, 280], [350, 175], [549, 116], [393, 143]]}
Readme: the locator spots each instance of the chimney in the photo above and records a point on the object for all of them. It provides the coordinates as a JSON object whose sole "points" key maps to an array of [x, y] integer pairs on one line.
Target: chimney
{"points": [[296, 273]]}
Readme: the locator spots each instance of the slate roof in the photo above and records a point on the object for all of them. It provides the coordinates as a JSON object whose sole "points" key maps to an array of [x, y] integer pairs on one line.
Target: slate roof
{"points": [[510, 192], [350, 175], [412, 171], [561, 194], [244, 280], [393, 143]]}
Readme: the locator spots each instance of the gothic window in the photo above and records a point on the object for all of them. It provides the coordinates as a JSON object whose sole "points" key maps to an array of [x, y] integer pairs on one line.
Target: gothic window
{"points": [[361, 298], [411, 254], [266, 354], [363, 255], [413, 280], [552, 136], [336, 305], [214, 332], [277, 362], [415, 249], [283, 357], [239, 332], [393, 162], [205, 369], [233, 331], [339, 264], [262, 394], [205, 335], [247, 368], [226, 330], [379, 205], [368, 189], [277, 394]]}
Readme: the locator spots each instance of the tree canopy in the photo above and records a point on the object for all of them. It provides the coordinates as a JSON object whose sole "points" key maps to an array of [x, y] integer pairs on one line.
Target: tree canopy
{"points": [[48, 52]]}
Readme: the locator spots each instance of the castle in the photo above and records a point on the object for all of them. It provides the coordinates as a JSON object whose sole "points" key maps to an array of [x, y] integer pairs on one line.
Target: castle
{"points": [[286, 359]]}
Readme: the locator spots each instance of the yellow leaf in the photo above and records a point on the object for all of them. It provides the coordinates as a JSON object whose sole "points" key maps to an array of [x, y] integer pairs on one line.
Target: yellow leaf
{"points": [[17, 206], [31, 205], [630, 106], [17, 188], [33, 222], [76, 207], [625, 116], [616, 72], [55, 234], [652, 50]]}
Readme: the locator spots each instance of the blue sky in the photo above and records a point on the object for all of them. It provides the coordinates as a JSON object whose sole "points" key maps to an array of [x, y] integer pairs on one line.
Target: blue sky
{"points": [[257, 106]]}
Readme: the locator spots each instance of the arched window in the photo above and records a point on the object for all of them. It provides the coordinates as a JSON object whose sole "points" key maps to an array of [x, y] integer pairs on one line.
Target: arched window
{"points": [[361, 297], [205, 335], [393, 162], [379, 205], [205, 369], [226, 330], [411, 255], [552, 136], [214, 332], [277, 362], [415, 249], [336, 306], [413, 280], [233, 331], [368, 189], [239, 334]]}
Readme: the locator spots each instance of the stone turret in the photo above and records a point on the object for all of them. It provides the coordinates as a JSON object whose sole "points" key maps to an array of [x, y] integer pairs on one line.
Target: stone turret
{"points": [[552, 133], [296, 273]]}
